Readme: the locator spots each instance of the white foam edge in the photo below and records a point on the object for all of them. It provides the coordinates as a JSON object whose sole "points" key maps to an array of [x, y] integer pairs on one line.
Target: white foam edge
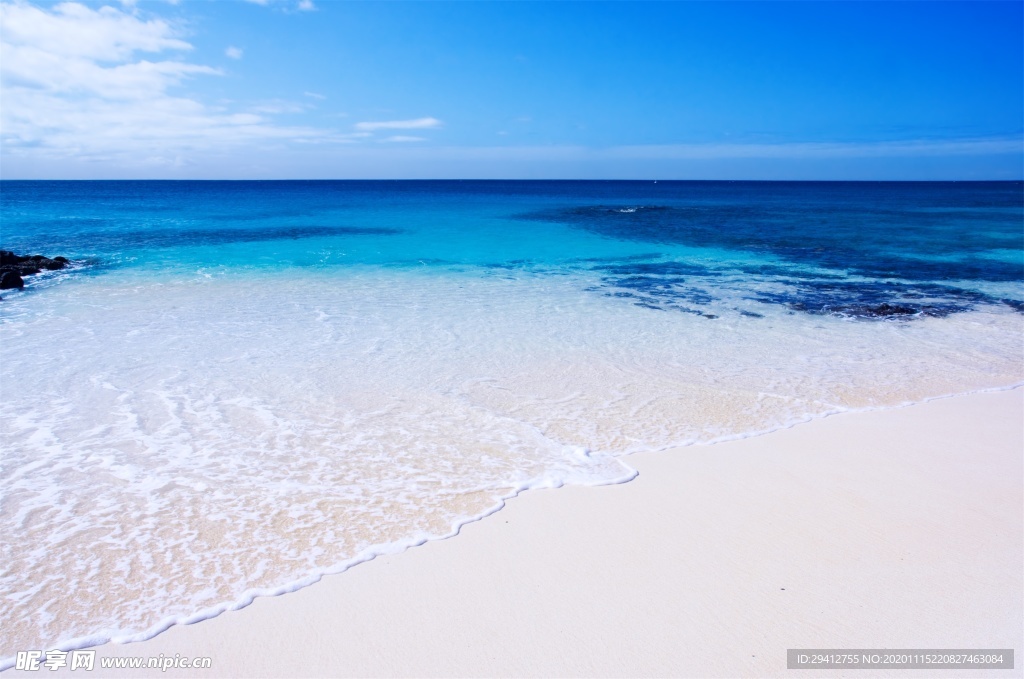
{"points": [[400, 546]]}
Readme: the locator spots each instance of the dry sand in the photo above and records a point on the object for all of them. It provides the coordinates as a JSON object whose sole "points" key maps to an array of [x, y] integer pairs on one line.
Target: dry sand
{"points": [[889, 529]]}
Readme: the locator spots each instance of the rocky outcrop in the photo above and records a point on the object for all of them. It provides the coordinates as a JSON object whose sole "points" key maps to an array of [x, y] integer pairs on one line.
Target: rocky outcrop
{"points": [[13, 268], [9, 280]]}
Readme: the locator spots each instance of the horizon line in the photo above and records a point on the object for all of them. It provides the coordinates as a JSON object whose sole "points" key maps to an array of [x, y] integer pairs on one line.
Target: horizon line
{"points": [[500, 179]]}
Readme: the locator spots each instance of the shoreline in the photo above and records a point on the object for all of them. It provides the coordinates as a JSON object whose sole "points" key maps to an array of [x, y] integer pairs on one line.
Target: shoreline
{"points": [[401, 546], [229, 639]]}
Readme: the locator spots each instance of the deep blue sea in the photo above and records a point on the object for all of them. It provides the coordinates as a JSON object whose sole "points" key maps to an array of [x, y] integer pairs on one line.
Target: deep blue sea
{"points": [[240, 386], [837, 247]]}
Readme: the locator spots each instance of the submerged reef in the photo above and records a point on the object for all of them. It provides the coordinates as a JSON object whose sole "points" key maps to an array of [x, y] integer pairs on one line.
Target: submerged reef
{"points": [[855, 252]]}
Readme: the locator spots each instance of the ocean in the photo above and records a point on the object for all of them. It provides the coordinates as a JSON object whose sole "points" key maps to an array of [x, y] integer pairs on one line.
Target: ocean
{"points": [[239, 387]]}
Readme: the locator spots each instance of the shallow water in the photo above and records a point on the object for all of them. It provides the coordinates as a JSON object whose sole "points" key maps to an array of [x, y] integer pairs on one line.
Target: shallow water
{"points": [[244, 385]]}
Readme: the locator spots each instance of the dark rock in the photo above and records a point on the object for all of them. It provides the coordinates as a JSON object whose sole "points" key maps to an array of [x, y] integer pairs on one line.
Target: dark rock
{"points": [[41, 262], [26, 269], [11, 280], [884, 310], [28, 265], [14, 267], [890, 310], [37, 262]]}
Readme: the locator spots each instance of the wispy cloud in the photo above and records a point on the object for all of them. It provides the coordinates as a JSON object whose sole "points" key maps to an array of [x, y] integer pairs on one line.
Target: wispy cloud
{"points": [[76, 31], [314, 95], [74, 85], [287, 7], [233, 52], [415, 124], [402, 138]]}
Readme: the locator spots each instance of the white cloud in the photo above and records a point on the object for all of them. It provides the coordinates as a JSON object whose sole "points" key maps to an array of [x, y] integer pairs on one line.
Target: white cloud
{"points": [[417, 124], [300, 6], [74, 85], [314, 95], [234, 52], [74, 30], [403, 138]]}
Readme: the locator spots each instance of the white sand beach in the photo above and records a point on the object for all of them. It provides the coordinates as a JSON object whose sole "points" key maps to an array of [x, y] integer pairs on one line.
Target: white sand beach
{"points": [[421, 339], [888, 529]]}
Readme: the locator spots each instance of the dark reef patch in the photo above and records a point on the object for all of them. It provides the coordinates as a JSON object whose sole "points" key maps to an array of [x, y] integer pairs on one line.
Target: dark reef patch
{"points": [[658, 285], [883, 299], [909, 241], [777, 271], [657, 269], [626, 258], [863, 250], [1015, 304]]}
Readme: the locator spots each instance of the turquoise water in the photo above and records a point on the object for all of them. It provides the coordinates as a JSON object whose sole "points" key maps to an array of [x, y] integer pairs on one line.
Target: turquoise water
{"points": [[836, 247], [241, 386]]}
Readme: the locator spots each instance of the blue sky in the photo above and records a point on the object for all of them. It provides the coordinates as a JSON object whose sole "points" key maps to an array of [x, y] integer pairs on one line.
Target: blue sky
{"points": [[315, 88]]}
